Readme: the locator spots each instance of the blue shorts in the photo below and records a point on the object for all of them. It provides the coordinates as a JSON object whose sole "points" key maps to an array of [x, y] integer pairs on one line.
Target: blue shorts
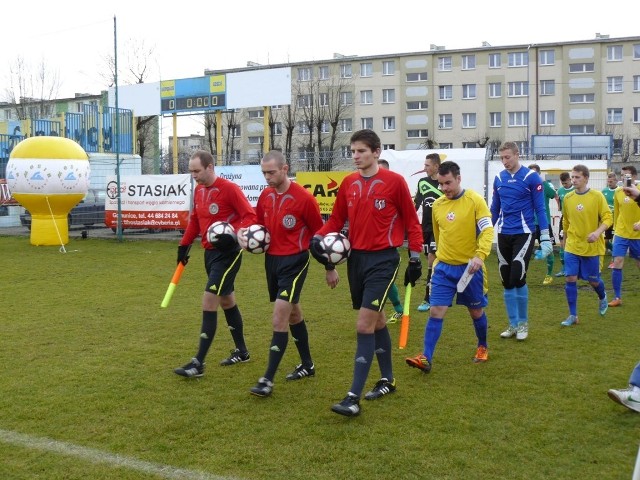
{"points": [[586, 268], [623, 245], [444, 282]]}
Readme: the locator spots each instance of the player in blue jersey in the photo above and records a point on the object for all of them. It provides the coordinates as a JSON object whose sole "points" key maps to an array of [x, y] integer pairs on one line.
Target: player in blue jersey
{"points": [[518, 197]]}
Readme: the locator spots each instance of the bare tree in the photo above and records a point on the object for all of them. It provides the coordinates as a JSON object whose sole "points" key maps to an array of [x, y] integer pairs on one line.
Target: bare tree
{"points": [[31, 90]]}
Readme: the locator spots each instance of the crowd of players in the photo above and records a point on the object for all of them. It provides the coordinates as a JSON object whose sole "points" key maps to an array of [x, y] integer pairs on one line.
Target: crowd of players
{"points": [[456, 235]]}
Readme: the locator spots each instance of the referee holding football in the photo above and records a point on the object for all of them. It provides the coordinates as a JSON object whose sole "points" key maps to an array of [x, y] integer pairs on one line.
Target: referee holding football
{"points": [[216, 199], [379, 208], [291, 215]]}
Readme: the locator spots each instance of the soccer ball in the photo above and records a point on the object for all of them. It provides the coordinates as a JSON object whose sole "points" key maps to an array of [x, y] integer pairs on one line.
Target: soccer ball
{"points": [[336, 247], [258, 239], [218, 228]]}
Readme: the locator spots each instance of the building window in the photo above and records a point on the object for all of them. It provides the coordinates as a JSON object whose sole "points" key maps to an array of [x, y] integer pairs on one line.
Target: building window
{"points": [[234, 156], [305, 100], [302, 153], [254, 140], [366, 97], [323, 72], [614, 84], [518, 59], [547, 57], [417, 77], [388, 123], [636, 114], [303, 127], [419, 133], [518, 89], [235, 131], [547, 117], [389, 67], [468, 62], [495, 90], [445, 120], [614, 53], [614, 116], [636, 83], [346, 125], [468, 120], [304, 74], [445, 92], [581, 67], [277, 128], [547, 87], [495, 60], [346, 98], [388, 146], [469, 144], [256, 113], [366, 122], [518, 119], [469, 91], [388, 95], [582, 129], [636, 146], [495, 119], [636, 51], [418, 105], [345, 70], [345, 151], [366, 69], [446, 145], [79, 107], [444, 64], [582, 98], [323, 100], [325, 126]]}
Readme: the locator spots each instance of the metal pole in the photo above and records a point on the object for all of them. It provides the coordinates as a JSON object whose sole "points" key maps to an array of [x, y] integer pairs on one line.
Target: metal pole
{"points": [[117, 142]]}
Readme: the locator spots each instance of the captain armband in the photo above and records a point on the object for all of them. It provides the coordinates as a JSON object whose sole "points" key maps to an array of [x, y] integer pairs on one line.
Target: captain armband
{"points": [[484, 223]]}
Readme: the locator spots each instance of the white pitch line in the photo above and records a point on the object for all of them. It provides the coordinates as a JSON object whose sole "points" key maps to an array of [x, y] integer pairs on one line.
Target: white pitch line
{"points": [[97, 456]]}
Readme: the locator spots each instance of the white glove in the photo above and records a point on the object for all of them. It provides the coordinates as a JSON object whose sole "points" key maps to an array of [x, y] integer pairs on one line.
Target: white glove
{"points": [[546, 247]]}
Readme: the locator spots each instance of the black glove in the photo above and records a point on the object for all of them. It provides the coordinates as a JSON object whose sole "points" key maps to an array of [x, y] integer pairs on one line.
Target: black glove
{"points": [[413, 271], [315, 247], [224, 242], [183, 254]]}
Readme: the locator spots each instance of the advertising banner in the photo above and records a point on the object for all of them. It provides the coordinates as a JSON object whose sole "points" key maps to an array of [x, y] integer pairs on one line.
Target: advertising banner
{"points": [[323, 186]]}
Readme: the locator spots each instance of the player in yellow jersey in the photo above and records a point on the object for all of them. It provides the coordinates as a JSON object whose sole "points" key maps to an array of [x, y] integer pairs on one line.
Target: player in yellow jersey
{"points": [[585, 217], [464, 234]]}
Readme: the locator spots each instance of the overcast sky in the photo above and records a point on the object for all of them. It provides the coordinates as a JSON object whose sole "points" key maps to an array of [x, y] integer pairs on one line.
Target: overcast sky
{"points": [[73, 37]]}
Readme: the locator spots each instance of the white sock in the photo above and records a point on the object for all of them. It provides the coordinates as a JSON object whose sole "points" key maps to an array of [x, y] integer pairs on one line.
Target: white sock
{"points": [[635, 393]]}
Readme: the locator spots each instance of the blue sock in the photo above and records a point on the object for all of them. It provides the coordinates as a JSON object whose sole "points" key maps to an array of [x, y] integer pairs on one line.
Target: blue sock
{"points": [[616, 280], [635, 376], [511, 303], [365, 348], [480, 325], [522, 296], [600, 289], [571, 290], [432, 331]]}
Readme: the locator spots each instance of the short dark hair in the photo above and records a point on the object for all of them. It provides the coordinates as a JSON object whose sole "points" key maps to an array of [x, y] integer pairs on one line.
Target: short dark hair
{"points": [[449, 167], [382, 162], [630, 168], [564, 176], [534, 166], [583, 169], [435, 157], [368, 137], [205, 157]]}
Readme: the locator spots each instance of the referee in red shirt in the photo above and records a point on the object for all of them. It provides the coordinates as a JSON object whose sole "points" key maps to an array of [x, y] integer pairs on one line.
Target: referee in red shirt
{"points": [[379, 208], [291, 214]]}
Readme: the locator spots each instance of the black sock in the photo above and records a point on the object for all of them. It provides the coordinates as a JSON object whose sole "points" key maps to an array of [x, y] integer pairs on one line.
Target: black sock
{"points": [[301, 338], [234, 320], [366, 345], [426, 291], [279, 342], [207, 332], [383, 353]]}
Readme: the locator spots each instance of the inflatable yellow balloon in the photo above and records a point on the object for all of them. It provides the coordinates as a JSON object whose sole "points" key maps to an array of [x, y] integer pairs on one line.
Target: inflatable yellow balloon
{"points": [[48, 176]]}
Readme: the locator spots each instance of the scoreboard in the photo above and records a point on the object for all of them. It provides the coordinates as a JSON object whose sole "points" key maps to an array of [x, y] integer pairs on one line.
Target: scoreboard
{"points": [[193, 94]]}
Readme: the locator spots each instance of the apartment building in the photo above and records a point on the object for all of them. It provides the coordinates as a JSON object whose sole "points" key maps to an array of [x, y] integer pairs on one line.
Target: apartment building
{"points": [[457, 98]]}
